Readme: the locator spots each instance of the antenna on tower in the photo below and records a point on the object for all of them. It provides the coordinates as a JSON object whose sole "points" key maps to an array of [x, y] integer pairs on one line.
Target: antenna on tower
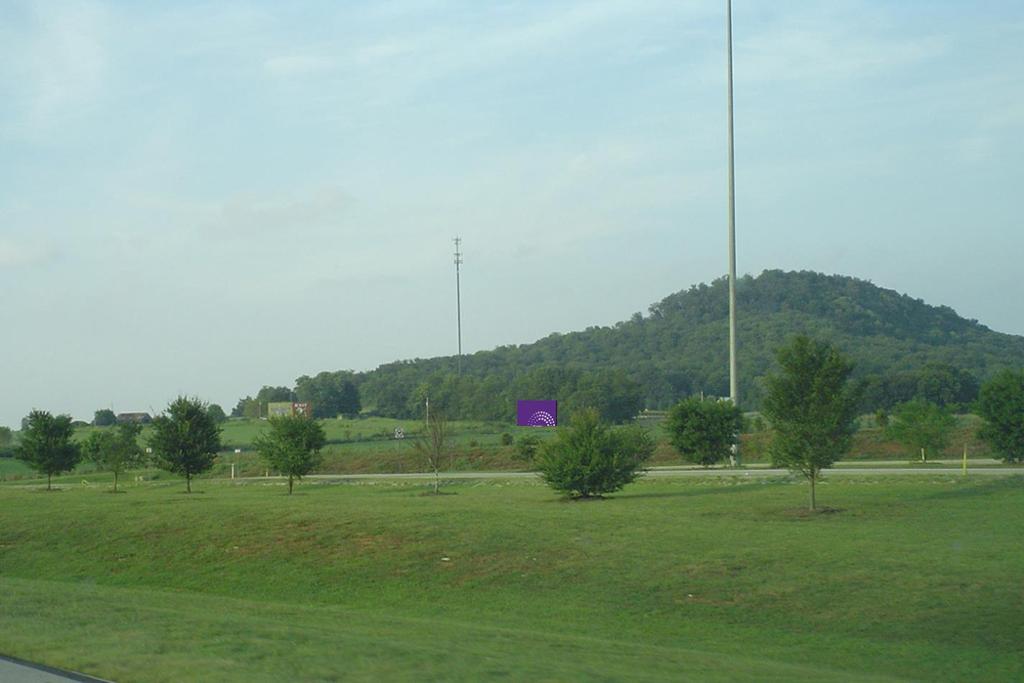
{"points": [[458, 300]]}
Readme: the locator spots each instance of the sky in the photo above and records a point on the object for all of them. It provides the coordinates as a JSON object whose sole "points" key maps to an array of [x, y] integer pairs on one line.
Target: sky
{"points": [[205, 197]]}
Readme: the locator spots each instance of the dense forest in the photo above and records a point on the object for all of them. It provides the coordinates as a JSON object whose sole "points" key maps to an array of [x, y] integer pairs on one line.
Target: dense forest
{"points": [[902, 348]]}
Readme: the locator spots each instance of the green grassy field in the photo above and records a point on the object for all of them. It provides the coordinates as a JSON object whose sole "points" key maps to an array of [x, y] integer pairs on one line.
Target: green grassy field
{"points": [[669, 580]]}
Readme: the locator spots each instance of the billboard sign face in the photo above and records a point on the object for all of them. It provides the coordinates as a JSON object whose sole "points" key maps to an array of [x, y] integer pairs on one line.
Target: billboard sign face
{"points": [[537, 413], [287, 409], [279, 409]]}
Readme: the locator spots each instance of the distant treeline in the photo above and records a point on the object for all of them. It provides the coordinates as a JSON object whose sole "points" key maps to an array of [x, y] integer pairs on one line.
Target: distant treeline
{"points": [[902, 349]]}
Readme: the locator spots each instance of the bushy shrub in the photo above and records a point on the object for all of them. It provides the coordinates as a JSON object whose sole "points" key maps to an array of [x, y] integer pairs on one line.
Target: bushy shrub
{"points": [[526, 447], [589, 458], [1001, 404], [704, 432]]}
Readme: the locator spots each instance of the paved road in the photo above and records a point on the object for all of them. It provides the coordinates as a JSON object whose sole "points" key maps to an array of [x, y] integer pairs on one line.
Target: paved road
{"points": [[18, 671], [672, 472]]}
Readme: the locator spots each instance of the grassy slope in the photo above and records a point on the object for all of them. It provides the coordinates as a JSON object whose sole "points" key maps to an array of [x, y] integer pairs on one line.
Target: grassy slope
{"points": [[667, 580]]}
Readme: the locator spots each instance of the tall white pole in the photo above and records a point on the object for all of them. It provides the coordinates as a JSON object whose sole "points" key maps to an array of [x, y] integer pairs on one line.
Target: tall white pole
{"points": [[734, 391]]}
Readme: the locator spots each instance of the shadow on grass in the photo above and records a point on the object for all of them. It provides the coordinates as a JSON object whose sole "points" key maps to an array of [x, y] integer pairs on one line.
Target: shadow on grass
{"points": [[703, 490], [803, 514], [975, 488], [579, 499]]}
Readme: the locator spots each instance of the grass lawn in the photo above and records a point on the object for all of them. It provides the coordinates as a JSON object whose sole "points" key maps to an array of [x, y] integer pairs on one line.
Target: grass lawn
{"points": [[915, 579]]}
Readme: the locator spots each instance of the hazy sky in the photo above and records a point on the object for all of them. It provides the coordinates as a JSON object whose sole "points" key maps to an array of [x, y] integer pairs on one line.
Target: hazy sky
{"points": [[206, 197]]}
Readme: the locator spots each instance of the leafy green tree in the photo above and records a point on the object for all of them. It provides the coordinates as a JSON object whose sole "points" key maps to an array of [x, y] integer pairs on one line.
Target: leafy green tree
{"points": [[811, 407], [185, 440], [246, 407], [216, 413], [331, 393], [116, 450], [882, 418], [46, 446], [254, 408], [6, 438], [704, 431], [616, 397], [1001, 404], [268, 394], [921, 426], [292, 446], [104, 417], [588, 458]]}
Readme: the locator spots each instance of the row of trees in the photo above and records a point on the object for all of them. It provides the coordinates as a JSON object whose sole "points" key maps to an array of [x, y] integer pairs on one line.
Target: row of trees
{"points": [[105, 417], [330, 393], [401, 391], [812, 408], [184, 440], [810, 403]]}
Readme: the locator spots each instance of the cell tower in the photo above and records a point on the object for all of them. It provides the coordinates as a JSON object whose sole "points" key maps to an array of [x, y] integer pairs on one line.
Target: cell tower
{"points": [[458, 299]]}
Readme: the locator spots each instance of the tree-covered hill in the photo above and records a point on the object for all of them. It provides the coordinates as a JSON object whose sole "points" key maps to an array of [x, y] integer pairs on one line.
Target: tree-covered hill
{"points": [[902, 347]]}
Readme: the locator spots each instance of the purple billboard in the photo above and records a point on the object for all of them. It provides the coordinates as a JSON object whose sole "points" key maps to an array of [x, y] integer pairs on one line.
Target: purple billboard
{"points": [[537, 413]]}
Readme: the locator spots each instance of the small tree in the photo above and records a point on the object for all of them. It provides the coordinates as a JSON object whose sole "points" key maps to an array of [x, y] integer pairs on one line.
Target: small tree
{"points": [[704, 431], [1001, 404], [292, 445], [185, 440], [46, 444], [116, 451], [921, 426], [811, 407], [6, 439], [434, 444], [104, 417], [588, 458]]}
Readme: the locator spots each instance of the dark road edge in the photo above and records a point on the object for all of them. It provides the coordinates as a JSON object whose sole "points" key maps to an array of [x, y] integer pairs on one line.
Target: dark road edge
{"points": [[69, 675]]}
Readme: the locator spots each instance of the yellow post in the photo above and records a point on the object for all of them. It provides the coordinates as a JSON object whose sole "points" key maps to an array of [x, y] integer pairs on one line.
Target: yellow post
{"points": [[965, 460]]}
